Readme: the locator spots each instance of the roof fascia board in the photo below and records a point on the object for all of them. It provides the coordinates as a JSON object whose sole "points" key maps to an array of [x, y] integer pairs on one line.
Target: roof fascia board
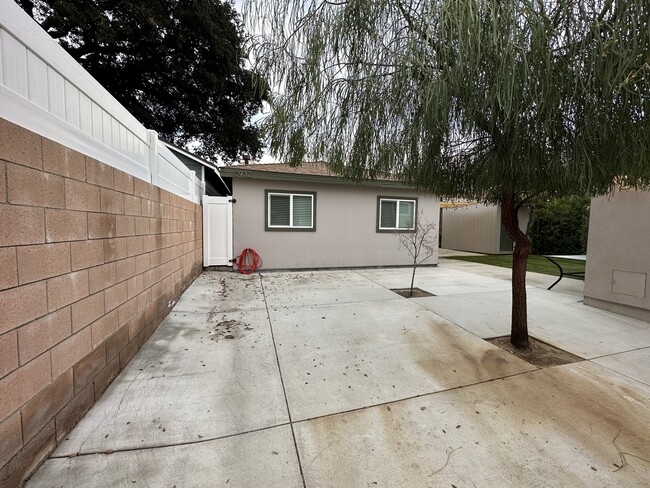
{"points": [[330, 180]]}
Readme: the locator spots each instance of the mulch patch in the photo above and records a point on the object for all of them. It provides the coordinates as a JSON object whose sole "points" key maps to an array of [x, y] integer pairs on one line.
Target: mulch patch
{"points": [[538, 353], [417, 292]]}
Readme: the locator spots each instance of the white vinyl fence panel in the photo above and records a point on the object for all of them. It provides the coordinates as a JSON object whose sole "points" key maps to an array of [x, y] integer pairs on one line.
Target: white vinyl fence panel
{"points": [[43, 89]]}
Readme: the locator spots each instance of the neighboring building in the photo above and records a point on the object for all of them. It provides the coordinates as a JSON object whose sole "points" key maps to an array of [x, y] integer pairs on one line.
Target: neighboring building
{"points": [[207, 172], [475, 227], [618, 254], [307, 217]]}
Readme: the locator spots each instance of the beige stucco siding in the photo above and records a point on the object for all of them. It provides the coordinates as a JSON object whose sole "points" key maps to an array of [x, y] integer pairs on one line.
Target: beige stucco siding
{"points": [[476, 228], [473, 228], [346, 220], [618, 254]]}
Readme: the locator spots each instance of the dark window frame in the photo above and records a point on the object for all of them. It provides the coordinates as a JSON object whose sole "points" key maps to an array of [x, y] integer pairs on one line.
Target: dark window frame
{"points": [[267, 216], [399, 231]]}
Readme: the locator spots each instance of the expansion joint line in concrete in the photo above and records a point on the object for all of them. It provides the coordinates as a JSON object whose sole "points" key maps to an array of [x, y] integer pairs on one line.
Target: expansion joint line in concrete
{"points": [[284, 390]]}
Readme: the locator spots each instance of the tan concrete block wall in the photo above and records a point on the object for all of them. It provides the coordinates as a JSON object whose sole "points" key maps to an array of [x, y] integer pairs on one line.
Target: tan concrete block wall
{"points": [[91, 261]]}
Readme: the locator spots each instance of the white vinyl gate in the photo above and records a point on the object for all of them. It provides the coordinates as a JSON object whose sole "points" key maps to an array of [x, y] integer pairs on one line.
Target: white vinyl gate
{"points": [[217, 231]]}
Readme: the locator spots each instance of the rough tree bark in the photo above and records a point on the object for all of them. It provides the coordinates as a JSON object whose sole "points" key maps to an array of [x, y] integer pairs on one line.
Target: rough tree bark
{"points": [[522, 246]]}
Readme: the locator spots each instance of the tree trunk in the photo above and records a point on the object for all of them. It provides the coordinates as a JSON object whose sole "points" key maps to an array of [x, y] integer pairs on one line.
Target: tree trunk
{"points": [[415, 265], [522, 245]]}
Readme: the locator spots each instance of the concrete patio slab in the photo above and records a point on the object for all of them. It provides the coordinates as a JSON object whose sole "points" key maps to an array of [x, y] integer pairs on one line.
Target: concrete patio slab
{"points": [[382, 391], [436, 280], [222, 292], [198, 377], [288, 289], [539, 280], [577, 425], [345, 356], [265, 458], [633, 364], [559, 319]]}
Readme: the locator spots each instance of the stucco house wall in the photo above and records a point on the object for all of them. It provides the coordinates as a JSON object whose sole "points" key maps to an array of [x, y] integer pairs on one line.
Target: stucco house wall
{"points": [[346, 226], [618, 254]]}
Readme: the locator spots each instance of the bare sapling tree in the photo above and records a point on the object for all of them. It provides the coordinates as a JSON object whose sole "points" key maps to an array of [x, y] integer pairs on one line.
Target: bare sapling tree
{"points": [[420, 244]]}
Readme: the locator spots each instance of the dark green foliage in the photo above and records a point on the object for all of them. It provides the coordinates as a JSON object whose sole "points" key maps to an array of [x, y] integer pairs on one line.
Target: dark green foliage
{"points": [[560, 226], [176, 65]]}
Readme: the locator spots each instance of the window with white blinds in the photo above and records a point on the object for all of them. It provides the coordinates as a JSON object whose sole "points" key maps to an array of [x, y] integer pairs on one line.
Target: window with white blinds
{"points": [[290, 210], [396, 214]]}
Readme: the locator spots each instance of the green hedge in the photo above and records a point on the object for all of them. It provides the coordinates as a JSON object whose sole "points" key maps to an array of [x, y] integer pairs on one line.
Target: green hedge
{"points": [[560, 226]]}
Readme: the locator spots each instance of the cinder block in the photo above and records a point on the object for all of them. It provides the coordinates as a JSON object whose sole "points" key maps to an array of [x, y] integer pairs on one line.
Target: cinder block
{"points": [[3, 182], [8, 354], [86, 311], [98, 173], [135, 285], [127, 353], [44, 406], [147, 208], [42, 334], [115, 296], [24, 383], [103, 328], [164, 196], [134, 245], [8, 267], [144, 299], [127, 311], [69, 352], [86, 369], [123, 181], [21, 225], [62, 160], [149, 243], [125, 225], [20, 145], [12, 438], [155, 193], [132, 205], [81, 196], [111, 201], [101, 226], [101, 277], [114, 249], [136, 325], [67, 289], [142, 263], [142, 188], [106, 376], [155, 226], [21, 305], [125, 269], [42, 261], [87, 253], [116, 343], [68, 417], [25, 462], [65, 225], [142, 225]]}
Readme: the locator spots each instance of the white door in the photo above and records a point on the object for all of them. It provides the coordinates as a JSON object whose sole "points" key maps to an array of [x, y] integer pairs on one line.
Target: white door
{"points": [[217, 231]]}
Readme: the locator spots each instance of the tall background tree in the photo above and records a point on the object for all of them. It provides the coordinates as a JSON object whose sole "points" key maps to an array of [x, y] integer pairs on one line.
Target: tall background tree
{"points": [[176, 65], [500, 101]]}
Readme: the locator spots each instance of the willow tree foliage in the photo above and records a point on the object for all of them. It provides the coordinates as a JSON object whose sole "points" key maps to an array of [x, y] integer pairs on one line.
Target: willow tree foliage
{"points": [[500, 101]]}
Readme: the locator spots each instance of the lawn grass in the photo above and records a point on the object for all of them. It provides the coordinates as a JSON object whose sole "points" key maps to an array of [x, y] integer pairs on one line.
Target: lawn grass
{"points": [[536, 264]]}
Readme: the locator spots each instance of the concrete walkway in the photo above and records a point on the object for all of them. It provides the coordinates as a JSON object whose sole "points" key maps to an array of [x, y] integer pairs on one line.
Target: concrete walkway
{"points": [[329, 379]]}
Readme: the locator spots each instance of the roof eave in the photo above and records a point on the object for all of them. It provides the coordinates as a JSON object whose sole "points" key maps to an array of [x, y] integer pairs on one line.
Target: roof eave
{"points": [[246, 173]]}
